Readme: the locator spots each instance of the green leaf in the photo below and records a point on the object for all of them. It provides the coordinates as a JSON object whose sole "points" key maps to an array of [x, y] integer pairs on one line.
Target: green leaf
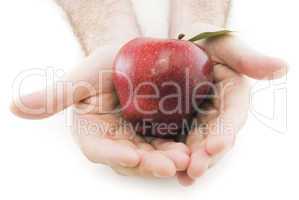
{"points": [[207, 35]]}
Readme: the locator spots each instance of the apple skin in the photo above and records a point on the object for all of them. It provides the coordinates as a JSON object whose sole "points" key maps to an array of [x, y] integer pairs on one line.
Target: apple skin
{"points": [[143, 66]]}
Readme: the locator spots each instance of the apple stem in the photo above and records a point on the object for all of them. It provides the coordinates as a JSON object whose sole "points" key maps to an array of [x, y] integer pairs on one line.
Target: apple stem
{"points": [[181, 36]]}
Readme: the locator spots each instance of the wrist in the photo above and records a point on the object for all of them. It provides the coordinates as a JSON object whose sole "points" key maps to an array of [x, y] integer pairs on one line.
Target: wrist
{"points": [[192, 17], [100, 24]]}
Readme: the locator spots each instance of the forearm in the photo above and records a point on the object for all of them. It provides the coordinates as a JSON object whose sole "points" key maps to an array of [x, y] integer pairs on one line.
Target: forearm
{"points": [[194, 16], [100, 22]]}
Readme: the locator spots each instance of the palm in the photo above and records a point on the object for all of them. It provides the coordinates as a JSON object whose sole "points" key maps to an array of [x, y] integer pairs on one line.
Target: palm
{"points": [[227, 112], [161, 158]]}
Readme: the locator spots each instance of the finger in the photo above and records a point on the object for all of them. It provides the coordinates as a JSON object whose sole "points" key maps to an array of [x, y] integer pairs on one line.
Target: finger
{"points": [[179, 158], [175, 151], [230, 51], [79, 84], [184, 179], [145, 146], [139, 170], [199, 159], [126, 143], [133, 171], [93, 135], [125, 171], [164, 145], [105, 151], [195, 139], [199, 163], [99, 104], [128, 171], [157, 165]]}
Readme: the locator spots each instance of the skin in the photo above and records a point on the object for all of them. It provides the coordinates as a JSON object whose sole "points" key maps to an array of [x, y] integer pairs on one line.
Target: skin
{"points": [[97, 26], [234, 61], [91, 21], [123, 151]]}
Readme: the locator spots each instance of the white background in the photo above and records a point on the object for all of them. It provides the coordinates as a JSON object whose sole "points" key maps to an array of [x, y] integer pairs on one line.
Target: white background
{"points": [[39, 160]]}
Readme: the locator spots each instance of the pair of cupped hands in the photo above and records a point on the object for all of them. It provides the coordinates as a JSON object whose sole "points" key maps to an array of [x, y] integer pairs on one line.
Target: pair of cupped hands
{"points": [[130, 154]]}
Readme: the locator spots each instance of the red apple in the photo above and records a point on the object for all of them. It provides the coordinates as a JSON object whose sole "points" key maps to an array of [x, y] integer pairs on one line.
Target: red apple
{"points": [[160, 83]]}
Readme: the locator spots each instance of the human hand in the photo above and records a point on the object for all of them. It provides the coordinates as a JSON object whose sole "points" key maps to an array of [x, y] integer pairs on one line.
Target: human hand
{"points": [[99, 25], [227, 113]]}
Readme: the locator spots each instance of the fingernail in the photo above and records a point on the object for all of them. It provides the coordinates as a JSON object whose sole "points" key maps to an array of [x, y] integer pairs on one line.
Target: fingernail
{"points": [[157, 175], [123, 164]]}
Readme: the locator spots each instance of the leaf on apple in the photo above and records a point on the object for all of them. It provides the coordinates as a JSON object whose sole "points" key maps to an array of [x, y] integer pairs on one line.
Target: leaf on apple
{"points": [[207, 35]]}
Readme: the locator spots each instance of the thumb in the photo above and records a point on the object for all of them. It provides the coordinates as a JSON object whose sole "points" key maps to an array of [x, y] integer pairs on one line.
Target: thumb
{"points": [[231, 51], [89, 78]]}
